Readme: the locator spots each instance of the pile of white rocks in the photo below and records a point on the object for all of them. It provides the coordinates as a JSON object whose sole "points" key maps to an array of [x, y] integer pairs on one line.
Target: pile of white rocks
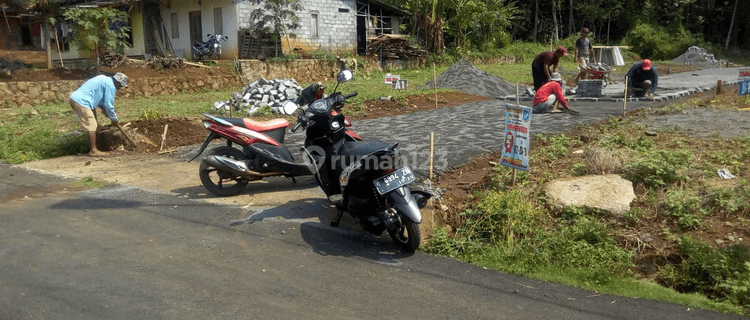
{"points": [[261, 93]]}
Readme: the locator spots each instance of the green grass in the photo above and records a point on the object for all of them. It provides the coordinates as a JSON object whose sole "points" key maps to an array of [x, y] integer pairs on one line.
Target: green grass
{"points": [[89, 182]]}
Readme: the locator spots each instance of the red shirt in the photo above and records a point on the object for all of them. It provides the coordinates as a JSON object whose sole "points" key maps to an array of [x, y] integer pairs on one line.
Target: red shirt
{"points": [[549, 88], [546, 58]]}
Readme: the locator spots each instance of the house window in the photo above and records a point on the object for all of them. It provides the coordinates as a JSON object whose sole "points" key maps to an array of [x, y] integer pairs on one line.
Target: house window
{"points": [[175, 26], [314, 25], [218, 22]]}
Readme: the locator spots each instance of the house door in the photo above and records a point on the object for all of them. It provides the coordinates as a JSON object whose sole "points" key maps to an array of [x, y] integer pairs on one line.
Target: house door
{"points": [[196, 32]]}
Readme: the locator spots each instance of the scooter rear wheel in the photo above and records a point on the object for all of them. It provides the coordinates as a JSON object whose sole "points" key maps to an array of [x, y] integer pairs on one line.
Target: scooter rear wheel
{"points": [[407, 236], [219, 182]]}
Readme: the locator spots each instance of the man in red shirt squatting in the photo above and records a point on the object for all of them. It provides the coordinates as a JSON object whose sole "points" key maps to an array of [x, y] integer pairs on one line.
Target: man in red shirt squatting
{"points": [[550, 96]]}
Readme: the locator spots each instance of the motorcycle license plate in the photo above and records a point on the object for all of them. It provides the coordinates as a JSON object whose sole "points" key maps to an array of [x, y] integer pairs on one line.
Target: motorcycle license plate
{"points": [[393, 180]]}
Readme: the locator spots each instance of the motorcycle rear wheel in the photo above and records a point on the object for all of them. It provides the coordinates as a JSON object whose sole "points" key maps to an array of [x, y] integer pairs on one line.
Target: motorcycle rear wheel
{"points": [[407, 236], [219, 182]]}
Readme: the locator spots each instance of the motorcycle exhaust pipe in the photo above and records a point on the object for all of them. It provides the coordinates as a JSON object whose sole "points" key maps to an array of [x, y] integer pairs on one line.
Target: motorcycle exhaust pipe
{"points": [[237, 167]]}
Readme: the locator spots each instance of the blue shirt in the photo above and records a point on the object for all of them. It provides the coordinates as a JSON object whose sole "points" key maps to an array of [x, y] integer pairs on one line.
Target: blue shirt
{"points": [[637, 74], [97, 91]]}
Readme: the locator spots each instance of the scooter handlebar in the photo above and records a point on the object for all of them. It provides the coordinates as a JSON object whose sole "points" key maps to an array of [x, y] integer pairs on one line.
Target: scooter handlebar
{"points": [[296, 126], [353, 94]]}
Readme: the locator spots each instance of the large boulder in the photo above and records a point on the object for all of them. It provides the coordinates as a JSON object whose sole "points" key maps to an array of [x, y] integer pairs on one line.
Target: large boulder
{"points": [[610, 193]]}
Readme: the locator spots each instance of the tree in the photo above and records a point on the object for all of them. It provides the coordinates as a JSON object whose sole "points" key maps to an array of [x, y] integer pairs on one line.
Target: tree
{"points": [[277, 17], [95, 29]]}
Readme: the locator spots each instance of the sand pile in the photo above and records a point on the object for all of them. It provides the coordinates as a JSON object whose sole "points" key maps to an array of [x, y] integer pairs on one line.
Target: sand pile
{"points": [[464, 76], [697, 56]]}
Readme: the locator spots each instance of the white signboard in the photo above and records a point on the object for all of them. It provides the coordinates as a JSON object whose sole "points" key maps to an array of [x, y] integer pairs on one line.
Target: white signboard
{"points": [[400, 84], [517, 142], [389, 78], [744, 83]]}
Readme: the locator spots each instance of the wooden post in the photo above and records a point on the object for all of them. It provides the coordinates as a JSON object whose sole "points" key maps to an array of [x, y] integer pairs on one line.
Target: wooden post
{"points": [[718, 87], [625, 101], [432, 149], [434, 85], [518, 99], [163, 137]]}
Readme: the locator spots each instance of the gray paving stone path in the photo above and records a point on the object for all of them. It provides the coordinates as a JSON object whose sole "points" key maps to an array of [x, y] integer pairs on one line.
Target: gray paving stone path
{"points": [[469, 130]]}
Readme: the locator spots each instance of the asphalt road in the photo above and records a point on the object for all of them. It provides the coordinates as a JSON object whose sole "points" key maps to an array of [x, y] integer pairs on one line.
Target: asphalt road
{"points": [[121, 252]]}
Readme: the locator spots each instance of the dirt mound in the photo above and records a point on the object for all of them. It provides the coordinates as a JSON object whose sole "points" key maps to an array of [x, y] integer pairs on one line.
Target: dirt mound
{"points": [[147, 134], [466, 77], [698, 57]]}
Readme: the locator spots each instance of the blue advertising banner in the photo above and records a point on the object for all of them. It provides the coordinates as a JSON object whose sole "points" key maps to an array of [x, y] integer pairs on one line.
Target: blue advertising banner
{"points": [[517, 142], [744, 83]]}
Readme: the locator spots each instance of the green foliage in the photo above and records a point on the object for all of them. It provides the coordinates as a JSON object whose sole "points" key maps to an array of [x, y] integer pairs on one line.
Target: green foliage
{"points": [[89, 182], [684, 206], [727, 201], [441, 243], [558, 147], [657, 42], [276, 16], [92, 29], [501, 217], [722, 272], [264, 111], [150, 114], [659, 168]]}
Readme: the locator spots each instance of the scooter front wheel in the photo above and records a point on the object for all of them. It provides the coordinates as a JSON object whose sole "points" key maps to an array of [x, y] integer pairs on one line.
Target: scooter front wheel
{"points": [[219, 182], [407, 236]]}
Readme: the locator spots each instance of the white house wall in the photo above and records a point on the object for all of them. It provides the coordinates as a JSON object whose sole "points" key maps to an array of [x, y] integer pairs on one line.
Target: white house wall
{"points": [[336, 30], [229, 48]]}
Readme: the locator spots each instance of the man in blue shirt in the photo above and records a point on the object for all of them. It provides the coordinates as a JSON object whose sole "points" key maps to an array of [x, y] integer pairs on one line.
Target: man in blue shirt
{"points": [[642, 79], [100, 92]]}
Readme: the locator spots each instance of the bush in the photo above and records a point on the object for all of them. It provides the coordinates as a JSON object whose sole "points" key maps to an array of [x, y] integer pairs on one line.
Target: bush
{"points": [[722, 272], [659, 168], [500, 218], [657, 42], [684, 206]]}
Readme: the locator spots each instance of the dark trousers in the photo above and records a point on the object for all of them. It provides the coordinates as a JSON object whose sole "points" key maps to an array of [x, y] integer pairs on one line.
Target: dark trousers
{"points": [[540, 77]]}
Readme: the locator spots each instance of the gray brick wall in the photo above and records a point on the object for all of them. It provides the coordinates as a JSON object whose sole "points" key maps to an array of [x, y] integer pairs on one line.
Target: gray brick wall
{"points": [[335, 29]]}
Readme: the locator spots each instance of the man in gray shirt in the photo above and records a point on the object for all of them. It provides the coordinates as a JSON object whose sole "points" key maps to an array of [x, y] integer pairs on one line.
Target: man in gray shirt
{"points": [[584, 52]]}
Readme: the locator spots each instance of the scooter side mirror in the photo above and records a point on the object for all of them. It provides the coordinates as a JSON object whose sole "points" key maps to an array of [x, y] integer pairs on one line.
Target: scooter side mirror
{"points": [[344, 76], [289, 107]]}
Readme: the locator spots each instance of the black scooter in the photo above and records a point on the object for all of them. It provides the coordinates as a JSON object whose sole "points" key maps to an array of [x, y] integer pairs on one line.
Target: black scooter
{"points": [[209, 47], [362, 178]]}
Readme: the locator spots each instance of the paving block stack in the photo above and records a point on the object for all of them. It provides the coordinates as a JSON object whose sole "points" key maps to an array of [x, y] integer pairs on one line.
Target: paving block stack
{"points": [[589, 88], [262, 93]]}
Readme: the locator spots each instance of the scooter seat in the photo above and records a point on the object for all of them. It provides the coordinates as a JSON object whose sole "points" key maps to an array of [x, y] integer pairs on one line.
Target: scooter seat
{"points": [[265, 125], [258, 126], [363, 148]]}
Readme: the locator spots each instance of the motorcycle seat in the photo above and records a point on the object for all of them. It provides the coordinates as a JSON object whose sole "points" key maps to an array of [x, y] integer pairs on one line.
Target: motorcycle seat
{"points": [[258, 126], [363, 148]]}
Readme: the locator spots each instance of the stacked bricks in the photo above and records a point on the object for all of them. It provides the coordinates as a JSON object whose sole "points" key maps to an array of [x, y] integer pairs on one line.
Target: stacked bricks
{"points": [[589, 88]]}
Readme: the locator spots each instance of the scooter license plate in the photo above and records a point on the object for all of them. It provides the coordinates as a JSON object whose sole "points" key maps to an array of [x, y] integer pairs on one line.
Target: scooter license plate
{"points": [[393, 180]]}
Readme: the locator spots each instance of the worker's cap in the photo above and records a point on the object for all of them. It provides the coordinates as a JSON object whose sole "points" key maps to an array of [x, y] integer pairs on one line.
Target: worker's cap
{"points": [[562, 50], [585, 30], [121, 78], [555, 77], [646, 64]]}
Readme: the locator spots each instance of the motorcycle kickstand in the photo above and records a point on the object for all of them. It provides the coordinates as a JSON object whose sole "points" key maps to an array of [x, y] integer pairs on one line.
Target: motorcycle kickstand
{"points": [[335, 223]]}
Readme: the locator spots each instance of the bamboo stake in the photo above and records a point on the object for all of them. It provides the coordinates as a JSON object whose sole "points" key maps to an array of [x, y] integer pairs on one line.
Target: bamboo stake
{"points": [[718, 87], [434, 83], [432, 149], [625, 101], [163, 137]]}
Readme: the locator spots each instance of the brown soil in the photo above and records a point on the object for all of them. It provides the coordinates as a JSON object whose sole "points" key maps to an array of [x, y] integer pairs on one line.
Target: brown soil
{"points": [[381, 108], [133, 70]]}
